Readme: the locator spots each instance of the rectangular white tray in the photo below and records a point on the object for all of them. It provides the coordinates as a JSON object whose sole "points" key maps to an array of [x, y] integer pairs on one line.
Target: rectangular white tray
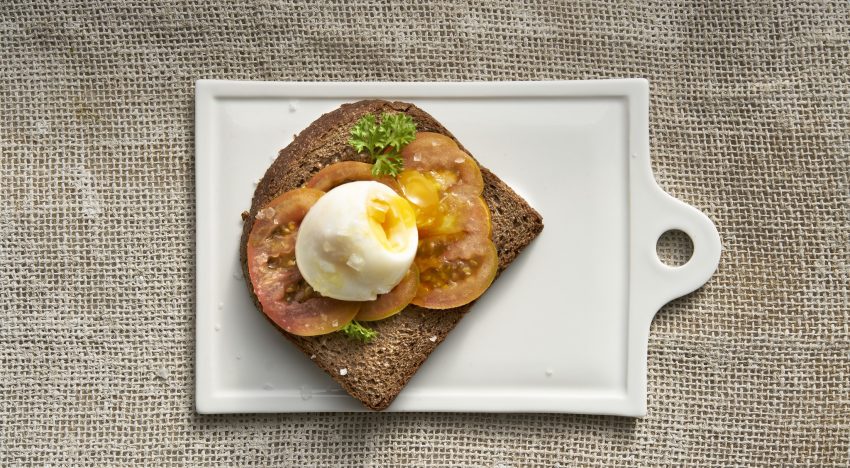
{"points": [[564, 329]]}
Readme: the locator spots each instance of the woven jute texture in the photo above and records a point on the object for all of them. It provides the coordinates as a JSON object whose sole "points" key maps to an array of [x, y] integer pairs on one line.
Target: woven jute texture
{"points": [[749, 122]]}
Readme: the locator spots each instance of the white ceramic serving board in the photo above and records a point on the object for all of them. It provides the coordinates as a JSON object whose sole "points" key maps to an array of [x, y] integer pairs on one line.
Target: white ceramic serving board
{"points": [[564, 329]]}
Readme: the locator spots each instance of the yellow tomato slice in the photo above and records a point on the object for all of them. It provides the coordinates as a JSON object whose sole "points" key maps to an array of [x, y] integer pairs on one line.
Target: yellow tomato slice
{"points": [[438, 158], [454, 270], [393, 302]]}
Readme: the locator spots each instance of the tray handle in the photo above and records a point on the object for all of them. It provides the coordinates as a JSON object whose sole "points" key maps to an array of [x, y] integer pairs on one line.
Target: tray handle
{"points": [[666, 213]]}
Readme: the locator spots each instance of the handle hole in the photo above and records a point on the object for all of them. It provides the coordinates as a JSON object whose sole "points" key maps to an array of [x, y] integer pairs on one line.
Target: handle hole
{"points": [[674, 248]]}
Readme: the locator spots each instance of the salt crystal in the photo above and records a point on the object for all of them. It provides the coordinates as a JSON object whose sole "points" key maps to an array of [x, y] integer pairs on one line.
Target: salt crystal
{"points": [[433, 339], [549, 372], [162, 373], [266, 213], [335, 323], [312, 356], [343, 371], [417, 157], [459, 160], [355, 262]]}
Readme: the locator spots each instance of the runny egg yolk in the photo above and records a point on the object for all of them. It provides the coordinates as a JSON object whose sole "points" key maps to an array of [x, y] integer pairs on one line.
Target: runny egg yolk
{"points": [[389, 220], [423, 192]]}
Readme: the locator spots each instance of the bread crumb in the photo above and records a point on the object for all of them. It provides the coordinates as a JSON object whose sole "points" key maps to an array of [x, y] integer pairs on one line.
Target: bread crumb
{"points": [[433, 339], [343, 371]]}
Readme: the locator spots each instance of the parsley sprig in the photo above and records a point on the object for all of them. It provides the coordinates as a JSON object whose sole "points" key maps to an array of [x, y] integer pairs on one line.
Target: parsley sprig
{"points": [[383, 141], [356, 331]]}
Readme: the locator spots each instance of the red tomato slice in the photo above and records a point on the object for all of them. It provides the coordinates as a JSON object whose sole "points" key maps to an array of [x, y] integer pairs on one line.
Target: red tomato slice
{"points": [[347, 171], [393, 302], [283, 294], [454, 270]]}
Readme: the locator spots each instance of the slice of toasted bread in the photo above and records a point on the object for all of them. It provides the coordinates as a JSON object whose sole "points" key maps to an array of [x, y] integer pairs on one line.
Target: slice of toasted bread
{"points": [[376, 372]]}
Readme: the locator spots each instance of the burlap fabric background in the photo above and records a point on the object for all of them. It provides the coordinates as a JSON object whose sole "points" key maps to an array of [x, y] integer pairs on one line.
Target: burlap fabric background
{"points": [[749, 122]]}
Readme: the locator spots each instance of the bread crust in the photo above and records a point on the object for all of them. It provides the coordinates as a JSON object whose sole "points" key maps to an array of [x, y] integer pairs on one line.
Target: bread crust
{"points": [[376, 372]]}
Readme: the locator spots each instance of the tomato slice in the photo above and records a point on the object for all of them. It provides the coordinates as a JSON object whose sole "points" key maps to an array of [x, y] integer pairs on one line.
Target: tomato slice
{"points": [[454, 270], [456, 213], [439, 158], [347, 171], [457, 260], [393, 302], [282, 292]]}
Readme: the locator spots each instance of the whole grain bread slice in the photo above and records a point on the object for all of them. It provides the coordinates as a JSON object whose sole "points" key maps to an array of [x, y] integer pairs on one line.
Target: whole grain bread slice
{"points": [[376, 372]]}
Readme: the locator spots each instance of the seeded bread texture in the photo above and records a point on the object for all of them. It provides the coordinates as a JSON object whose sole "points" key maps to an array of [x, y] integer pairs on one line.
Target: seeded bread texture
{"points": [[376, 372]]}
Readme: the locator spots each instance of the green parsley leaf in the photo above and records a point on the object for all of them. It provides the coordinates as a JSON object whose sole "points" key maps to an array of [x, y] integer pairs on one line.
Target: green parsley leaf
{"points": [[399, 130], [355, 331], [383, 142], [365, 135], [390, 164]]}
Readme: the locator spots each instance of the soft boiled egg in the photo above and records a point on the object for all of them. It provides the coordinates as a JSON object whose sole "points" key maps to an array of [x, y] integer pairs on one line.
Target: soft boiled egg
{"points": [[357, 241]]}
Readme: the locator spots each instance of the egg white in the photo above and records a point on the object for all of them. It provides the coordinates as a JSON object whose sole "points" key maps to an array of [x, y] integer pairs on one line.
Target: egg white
{"points": [[337, 251]]}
